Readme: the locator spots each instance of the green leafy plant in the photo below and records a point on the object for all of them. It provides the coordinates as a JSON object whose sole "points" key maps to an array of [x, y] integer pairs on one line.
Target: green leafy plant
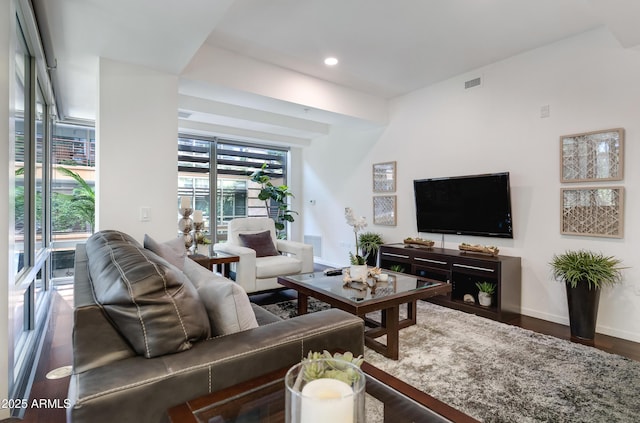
{"points": [[582, 266], [83, 198], [396, 268], [274, 197], [357, 260], [68, 211], [486, 287], [370, 242], [201, 238], [334, 367]]}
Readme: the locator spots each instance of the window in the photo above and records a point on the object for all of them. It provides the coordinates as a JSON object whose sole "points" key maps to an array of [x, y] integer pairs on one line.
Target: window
{"points": [[40, 206], [72, 194], [21, 106], [226, 165], [31, 113]]}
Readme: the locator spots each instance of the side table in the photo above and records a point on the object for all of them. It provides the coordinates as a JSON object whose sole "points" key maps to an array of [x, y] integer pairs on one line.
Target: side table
{"points": [[216, 259]]}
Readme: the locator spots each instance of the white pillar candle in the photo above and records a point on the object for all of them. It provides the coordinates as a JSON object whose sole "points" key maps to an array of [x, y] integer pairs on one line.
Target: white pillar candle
{"points": [[327, 401], [185, 202], [197, 216]]}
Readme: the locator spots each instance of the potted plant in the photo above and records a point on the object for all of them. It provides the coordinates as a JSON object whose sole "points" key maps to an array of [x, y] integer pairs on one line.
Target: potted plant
{"points": [[485, 293], [584, 274], [397, 268], [275, 199], [370, 242], [358, 263]]}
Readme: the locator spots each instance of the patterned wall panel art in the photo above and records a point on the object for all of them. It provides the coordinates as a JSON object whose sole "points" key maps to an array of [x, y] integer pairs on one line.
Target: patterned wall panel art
{"points": [[593, 211], [592, 156], [384, 210], [384, 177]]}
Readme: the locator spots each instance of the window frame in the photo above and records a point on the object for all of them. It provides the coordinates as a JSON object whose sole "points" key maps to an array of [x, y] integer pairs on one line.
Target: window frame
{"points": [[215, 144], [29, 296]]}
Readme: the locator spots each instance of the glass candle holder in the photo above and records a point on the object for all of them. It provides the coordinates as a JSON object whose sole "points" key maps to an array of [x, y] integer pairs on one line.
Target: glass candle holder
{"points": [[325, 390]]}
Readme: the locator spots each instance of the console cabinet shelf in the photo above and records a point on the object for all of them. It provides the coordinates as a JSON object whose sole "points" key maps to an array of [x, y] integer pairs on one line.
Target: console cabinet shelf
{"points": [[462, 270]]}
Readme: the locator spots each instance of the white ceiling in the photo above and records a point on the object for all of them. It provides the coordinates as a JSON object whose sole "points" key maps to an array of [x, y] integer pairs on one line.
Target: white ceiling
{"points": [[386, 48]]}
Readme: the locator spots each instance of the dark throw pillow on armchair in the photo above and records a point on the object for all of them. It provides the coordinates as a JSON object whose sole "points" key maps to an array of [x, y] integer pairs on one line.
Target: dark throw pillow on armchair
{"points": [[261, 242]]}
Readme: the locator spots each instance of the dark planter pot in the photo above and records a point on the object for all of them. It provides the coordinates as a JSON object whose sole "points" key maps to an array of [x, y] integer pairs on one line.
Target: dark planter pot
{"points": [[583, 310], [372, 259]]}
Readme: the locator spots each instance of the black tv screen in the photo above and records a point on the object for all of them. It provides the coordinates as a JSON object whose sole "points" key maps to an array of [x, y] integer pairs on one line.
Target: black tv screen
{"points": [[466, 205]]}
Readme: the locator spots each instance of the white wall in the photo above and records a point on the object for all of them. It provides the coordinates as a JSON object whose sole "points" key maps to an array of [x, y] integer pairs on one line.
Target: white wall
{"points": [[588, 81], [136, 137], [295, 182]]}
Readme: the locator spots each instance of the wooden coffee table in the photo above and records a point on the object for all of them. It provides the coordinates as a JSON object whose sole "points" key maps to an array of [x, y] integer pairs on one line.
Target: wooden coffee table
{"points": [[262, 400], [387, 298]]}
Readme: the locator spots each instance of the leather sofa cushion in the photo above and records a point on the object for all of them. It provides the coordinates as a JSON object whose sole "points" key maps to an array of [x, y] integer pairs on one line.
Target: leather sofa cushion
{"points": [[261, 242], [227, 304], [150, 302], [172, 251], [269, 267]]}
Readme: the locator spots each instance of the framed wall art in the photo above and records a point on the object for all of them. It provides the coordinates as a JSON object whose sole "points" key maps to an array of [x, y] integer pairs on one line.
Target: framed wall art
{"points": [[384, 210], [384, 177], [592, 156], [592, 211]]}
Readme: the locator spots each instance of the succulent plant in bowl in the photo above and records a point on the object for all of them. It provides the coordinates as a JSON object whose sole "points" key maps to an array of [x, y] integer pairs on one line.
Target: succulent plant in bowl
{"points": [[333, 367], [485, 293]]}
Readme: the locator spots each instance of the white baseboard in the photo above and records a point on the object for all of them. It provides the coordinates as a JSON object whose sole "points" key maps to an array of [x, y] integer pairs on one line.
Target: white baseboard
{"points": [[563, 320]]}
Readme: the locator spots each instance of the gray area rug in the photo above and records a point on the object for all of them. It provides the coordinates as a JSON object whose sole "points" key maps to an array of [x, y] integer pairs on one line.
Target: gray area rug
{"points": [[501, 373]]}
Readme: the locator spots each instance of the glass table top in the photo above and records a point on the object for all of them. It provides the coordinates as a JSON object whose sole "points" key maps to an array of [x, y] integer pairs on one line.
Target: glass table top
{"points": [[397, 283]]}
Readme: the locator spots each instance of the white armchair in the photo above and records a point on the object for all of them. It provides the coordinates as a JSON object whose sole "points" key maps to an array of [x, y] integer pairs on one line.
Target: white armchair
{"points": [[255, 273]]}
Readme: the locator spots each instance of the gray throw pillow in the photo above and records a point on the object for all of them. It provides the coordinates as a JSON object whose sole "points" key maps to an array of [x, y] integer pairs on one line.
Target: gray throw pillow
{"points": [[151, 303], [261, 242], [172, 251], [227, 304]]}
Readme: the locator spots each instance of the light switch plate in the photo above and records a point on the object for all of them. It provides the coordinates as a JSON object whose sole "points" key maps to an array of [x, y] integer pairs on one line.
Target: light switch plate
{"points": [[145, 214]]}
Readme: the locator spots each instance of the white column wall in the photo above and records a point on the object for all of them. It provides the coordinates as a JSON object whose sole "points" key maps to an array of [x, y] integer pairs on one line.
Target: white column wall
{"points": [[295, 182], [137, 150], [589, 83]]}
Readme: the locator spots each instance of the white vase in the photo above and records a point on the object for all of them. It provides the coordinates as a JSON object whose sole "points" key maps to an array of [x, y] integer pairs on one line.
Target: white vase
{"points": [[484, 299], [357, 271]]}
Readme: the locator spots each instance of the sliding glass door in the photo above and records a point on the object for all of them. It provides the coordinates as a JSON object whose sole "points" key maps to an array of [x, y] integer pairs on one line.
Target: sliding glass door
{"points": [[226, 166]]}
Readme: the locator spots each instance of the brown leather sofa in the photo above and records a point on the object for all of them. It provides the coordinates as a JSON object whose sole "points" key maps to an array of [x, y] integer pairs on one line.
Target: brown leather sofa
{"points": [[114, 381]]}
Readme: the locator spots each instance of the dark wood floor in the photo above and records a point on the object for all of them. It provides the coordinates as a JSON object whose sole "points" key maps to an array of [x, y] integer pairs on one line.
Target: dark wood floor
{"points": [[57, 349]]}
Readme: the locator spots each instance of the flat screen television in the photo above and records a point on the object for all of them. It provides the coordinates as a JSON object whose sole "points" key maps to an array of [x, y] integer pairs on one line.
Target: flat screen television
{"points": [[466, 205]]}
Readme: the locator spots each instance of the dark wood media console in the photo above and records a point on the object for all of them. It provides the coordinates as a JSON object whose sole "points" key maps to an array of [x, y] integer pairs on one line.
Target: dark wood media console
{"points": [[462, 270]]}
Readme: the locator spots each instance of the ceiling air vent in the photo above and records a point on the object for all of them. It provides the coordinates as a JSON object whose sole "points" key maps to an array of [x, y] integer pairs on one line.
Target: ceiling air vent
{"points": [[472, 83]]}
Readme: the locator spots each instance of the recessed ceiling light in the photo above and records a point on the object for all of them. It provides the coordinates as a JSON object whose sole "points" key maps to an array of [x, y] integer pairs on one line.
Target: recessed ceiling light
{"points": [[330, 61]]}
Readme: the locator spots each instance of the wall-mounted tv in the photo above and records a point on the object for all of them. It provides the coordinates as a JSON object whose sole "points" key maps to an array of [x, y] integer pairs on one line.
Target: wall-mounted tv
{"points": [[467, 205]]}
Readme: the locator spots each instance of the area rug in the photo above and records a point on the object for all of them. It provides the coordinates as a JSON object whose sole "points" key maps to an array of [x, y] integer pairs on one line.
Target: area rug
{"points": [[495, 372]]}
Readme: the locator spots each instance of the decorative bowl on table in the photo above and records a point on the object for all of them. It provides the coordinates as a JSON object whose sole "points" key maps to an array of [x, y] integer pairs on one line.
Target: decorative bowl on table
{"points": [[418, 242], [477, 248]]}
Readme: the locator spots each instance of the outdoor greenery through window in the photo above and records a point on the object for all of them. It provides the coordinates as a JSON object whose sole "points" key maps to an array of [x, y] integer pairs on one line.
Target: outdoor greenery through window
{"points": [[21, 106], [226, 165], [72, 192], [72, 188]]}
